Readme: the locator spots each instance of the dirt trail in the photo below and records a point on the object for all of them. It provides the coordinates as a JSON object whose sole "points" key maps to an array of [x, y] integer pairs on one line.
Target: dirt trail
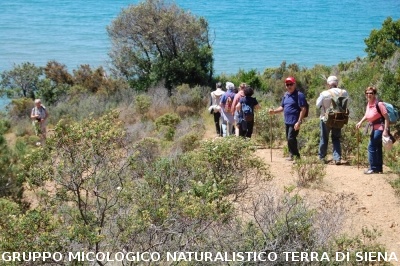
{"points": [[373, 201]]}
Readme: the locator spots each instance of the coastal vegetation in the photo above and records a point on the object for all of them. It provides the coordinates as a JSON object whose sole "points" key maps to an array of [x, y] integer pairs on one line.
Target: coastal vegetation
{"points": [[126, 166]]}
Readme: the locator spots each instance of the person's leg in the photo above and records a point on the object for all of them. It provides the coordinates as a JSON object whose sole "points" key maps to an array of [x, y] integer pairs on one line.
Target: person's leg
{"points": [[250, 126], [242, 131], [323, 140], [237, 125], [337, 150], [287, 139], [217, 116], [231, 129], [375, 151], [292, 141], [224, 128]]}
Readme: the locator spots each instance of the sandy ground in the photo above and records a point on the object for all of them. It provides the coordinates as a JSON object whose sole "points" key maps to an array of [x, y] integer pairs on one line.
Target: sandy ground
{"points": [[374, 203]]}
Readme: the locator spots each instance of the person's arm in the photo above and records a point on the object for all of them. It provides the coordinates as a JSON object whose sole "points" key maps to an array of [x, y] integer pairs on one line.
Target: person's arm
{"points": [[300, 121], [235, 104], [32, 114], [358, 125], [275, 111], [238, 106], [222, 101], [386, 129], [320, 100]]}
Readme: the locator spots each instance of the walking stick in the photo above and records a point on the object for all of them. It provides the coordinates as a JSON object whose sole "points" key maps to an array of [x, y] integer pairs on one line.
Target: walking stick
{"points": [[358, 149], [270, 135]]}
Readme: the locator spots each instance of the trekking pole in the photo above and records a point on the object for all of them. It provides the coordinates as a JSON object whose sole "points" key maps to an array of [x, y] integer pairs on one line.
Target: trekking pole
{"points": [[270, 135], [358, 149]]}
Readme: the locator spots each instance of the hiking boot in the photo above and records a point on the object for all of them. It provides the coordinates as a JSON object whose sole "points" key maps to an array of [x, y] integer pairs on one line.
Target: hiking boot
{"points": [[370, 171], [338, 162]]}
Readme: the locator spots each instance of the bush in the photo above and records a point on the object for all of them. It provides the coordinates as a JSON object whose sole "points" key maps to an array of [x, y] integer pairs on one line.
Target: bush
{"points": [[349, 141], [189, 142], [269, 128], [190, 101], [281, 223], [308, 138], [308, 170], [19, 109], [166, 125], [142, 104]]}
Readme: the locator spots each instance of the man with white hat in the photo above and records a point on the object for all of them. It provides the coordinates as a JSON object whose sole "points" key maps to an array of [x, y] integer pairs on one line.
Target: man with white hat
{"points": [[324, 102], [215, 108]]}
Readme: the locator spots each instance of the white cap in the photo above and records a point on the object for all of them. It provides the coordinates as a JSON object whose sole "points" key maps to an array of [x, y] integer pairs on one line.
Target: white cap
{"points": [[332, 80]]}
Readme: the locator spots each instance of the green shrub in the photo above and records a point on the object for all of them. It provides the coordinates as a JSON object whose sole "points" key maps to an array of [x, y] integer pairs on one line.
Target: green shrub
{"points": [[269, 128], [189, 141], [366, 241], [351, 136], [391, 158], [166, 125], [308, 138], [192, 99], [308, 170], [20, 108], [396, 186], [4, 125], [142, 104], [170, 119]]}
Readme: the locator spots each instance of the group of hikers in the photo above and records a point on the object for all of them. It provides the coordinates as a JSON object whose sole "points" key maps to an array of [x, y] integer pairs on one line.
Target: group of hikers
{"points": [[234, 113], [234, 110]]}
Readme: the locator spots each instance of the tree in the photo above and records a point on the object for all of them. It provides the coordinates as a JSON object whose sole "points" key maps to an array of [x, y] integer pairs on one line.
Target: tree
{"points": [[58, 73], [86, 163], [156, 41], [383, 43], [22, 80]]}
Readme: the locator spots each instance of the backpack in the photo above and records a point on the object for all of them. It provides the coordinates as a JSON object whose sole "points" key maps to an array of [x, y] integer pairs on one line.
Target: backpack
{"points": [[307, 108], [337, 115], [247, 110], [228, 103], [392, 112]]}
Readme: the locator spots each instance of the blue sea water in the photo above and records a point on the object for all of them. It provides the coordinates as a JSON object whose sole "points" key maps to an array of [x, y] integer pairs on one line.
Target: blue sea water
{"points": [[245, 34]]}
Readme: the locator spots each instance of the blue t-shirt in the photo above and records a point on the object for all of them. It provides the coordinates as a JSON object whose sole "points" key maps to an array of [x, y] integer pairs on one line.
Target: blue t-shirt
{"points": [[291, 104]]}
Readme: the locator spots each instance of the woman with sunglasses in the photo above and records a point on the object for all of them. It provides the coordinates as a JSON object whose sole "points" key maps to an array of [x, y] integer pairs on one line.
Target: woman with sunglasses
{"points": [[379, 125]]}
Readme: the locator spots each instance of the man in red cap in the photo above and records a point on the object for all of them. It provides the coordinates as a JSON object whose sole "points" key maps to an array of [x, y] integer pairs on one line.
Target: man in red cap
{"points": [[293, 107]]}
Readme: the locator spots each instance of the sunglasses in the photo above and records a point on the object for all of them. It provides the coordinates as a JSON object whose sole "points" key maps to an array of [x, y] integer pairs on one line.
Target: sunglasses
{"points": [[289, 84], [369, 93]]}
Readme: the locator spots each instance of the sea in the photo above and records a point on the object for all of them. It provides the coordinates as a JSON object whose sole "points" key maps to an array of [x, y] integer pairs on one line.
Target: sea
{"points": [[245, 34]]}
